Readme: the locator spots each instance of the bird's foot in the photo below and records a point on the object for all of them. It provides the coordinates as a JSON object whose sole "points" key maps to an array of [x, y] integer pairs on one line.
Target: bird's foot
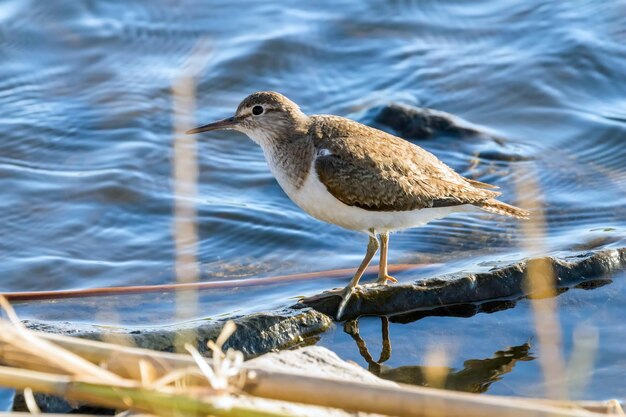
{"points": [[345, 297], [382, 279]]}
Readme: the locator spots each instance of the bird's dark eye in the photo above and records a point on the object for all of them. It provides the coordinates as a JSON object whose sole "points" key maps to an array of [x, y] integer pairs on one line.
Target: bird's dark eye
{"points": [[256, 110]]}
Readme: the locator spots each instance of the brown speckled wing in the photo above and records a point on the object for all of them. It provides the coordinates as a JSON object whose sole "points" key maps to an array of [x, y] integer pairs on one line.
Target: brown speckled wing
{"points": [[370, 169]]}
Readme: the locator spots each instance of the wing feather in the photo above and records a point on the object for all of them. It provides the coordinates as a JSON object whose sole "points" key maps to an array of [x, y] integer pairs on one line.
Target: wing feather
{"points": [[376, 171]]}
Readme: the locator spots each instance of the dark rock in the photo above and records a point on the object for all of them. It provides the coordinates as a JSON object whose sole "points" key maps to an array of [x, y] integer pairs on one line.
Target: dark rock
{"points": [[505, 154], [256, 334], [55, 405], [466, 294], [417, 124], [422, 123]]}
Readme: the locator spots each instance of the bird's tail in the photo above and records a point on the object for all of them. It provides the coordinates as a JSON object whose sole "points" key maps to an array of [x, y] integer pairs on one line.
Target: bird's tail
{"points": [[494, 206]]}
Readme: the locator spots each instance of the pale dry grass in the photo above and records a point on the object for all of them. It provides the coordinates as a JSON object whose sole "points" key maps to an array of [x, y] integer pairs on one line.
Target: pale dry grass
{"points": [[562, 379], [169, 385], [185, 188]]}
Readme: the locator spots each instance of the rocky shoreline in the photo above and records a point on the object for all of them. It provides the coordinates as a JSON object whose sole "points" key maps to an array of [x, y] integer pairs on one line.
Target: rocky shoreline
{"points": [[461, 294]]}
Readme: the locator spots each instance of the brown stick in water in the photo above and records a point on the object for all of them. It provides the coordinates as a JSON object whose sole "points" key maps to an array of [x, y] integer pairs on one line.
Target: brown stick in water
{"points": [[138, 289]]}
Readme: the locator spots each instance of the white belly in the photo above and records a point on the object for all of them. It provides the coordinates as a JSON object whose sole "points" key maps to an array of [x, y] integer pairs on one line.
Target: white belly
{"points": [[314, 198]]}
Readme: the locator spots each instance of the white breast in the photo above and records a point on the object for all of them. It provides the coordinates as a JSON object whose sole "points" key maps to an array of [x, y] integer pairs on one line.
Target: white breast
{"points": [[315, 199]]}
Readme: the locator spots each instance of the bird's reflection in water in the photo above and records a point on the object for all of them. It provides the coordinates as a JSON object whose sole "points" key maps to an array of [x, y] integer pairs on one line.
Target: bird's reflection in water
{"points": [[475, 376]]}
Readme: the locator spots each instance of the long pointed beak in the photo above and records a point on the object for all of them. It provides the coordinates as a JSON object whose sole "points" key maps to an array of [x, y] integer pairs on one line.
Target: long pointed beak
{"points": [[228, 123]]}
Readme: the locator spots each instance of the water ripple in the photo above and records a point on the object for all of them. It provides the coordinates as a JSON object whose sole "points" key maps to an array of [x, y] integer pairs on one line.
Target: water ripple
{"points": [[87, 127]]}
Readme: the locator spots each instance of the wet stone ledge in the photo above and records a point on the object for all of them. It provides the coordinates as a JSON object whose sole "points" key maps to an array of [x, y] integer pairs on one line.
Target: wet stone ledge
{"points": [[256, 334], [461, 295], [466, 294]]}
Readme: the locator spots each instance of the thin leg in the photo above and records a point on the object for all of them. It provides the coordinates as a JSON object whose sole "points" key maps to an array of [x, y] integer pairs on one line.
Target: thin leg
{"points": [[383, 277], [372, 248]]}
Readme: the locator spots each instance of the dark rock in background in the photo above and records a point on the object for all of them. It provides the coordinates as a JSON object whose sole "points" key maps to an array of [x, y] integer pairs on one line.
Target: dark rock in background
{"points": [[417, 123]]}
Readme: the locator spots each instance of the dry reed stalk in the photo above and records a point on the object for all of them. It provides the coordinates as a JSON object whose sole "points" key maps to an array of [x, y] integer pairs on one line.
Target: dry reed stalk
{"points": [[185, 189], [202, 285], [76, 378], [26, 341], [26, 414], [541, 285], [31, 402], [402, 400], [164, 403]]}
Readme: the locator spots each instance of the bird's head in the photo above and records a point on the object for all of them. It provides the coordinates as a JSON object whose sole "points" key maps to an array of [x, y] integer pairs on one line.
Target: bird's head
{"points": [[264, 116]]}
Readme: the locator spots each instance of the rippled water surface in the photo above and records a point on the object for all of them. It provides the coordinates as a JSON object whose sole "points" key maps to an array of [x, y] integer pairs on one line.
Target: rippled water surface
{"points": [[89, 117]]}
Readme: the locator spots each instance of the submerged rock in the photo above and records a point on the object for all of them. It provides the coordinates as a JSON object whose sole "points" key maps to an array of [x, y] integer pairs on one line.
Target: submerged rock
{"points": [[466, 294], [416, 123], [256, 333]]}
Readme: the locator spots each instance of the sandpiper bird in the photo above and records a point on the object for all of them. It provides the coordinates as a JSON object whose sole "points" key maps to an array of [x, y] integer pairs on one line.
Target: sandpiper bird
{"points": [[357, 177]]}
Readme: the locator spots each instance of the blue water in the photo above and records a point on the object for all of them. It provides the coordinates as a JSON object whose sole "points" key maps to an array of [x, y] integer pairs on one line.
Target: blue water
{"points": [[87, 127], [591, 324]]}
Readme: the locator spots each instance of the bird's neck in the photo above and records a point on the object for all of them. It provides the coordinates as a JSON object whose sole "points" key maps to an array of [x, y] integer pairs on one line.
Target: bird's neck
{"points": [[289, 158]]}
